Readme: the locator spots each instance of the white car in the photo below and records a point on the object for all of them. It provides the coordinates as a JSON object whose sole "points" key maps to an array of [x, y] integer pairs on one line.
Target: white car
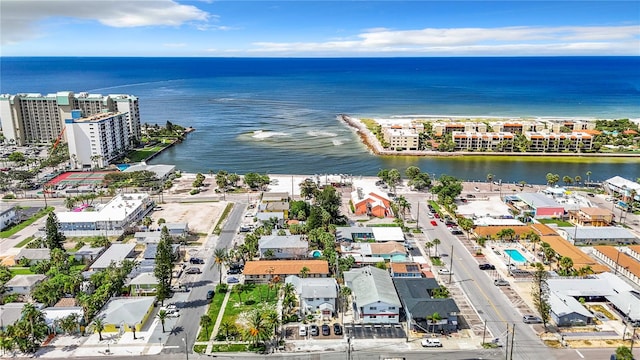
{"points": [[431, 343], [445, 272]]}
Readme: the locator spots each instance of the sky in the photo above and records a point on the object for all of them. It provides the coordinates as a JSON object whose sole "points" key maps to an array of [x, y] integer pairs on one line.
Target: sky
{"points": [[300, 28]]}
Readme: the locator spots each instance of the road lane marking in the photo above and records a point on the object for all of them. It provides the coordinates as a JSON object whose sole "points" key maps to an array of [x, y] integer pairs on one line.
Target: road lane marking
{"points": [[580, 354]]}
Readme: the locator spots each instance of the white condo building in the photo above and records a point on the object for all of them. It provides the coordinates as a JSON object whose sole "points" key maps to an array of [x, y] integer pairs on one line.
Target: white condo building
{"points": [[97, 140], [37, 118], [122, 211]]}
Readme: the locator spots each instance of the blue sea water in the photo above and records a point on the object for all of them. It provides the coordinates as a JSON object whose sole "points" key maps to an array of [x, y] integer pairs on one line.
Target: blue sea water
{"points": [[279, 115]]}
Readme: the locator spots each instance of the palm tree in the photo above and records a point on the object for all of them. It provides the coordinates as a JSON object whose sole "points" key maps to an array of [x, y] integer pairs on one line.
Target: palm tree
{"points": [[436, 242], [227, 327], [428, 245], [304, 272], [219, 257], [566, 264], [588, 177], [257, 327], [162, 316], [345, 292], [205, 322], [490, 181], [97, 326], [534, 238], [69, 202], [147, 221], [434, 318]]}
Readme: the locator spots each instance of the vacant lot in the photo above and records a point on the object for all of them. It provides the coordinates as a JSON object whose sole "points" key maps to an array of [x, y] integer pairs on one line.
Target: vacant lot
{"points": [[200, 216]]}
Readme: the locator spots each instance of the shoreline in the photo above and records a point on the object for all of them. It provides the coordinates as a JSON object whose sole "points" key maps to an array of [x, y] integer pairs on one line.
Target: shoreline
{"points": [[372, 143]]}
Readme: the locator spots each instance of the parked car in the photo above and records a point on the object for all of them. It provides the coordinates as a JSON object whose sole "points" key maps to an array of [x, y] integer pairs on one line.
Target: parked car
{"points": [[590, 195], [326, 331], [500, 282], [302, 330], [232, 280], [530, 319], [445, 272], [337, 329], [181, 288], [314, 330], [196, 260], [234, 271], [434, 223], [193, 270], [431, 342], [487, 267], [471, 196], [210, 294]]}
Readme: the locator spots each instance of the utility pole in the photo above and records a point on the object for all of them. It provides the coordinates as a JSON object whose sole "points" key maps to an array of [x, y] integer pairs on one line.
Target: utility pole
{"points": [[633, 338], [484, 331], [418, 216], [506, 344], [349, 347], [513, 336]]}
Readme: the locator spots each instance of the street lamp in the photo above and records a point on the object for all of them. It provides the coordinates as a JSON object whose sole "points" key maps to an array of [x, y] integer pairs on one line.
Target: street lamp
{"points": [[185, 340]]}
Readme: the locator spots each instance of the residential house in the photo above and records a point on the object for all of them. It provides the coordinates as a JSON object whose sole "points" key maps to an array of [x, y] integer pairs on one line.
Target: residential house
{"points": [[7, 215], [619, 261], [536, 205], [263, 271], [568, 311], [389, 251], [369, 234], [88, 254], [318, 296], [273, 204], [116, 253], [620, 186], [282, 247], [405, 270], [163, 172], [421, 310], [9, 314], [177, 230], [371, 203], [33, 255], [374, 296], [124, 313], [23, 284], [144, 284], [53, 315], [591, 216], [597, 235]]}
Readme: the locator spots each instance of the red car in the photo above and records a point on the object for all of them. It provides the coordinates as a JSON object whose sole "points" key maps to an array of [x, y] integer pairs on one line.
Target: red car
{"points": [[434, 223]]}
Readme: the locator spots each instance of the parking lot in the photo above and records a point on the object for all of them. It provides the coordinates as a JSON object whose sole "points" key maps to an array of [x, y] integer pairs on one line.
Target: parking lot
{"points": [[394, 331]]}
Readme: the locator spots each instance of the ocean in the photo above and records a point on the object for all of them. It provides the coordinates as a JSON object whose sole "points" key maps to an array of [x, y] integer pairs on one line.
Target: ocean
{"points": [[278, 115]]}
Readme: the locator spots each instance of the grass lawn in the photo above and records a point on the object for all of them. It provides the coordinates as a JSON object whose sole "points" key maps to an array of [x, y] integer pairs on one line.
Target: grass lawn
{"points": [[230, 348], [556, 221], [140, 155], [17, 270], [253, 297], [213, 311], [14, 229], [25, 242], [223, 217]]}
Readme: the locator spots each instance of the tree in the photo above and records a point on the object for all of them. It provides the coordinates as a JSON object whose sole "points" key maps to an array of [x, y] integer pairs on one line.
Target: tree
{"points": [[623, 353], [308, 188], [257, 327], [412, 172], [552, 179], [466, 224], [578, 179], [205, 322], [220, 255], [434, 318], [69, 202], [540, 293], [55, 238], [98, 326], [304, 272], [162, 316], [164, 265], [566, 265], [588, 177], [16, 157], [428, 245], [567, 180], [147, 221], [534, 238], [435, 243], [30, 330], [490, 181]]}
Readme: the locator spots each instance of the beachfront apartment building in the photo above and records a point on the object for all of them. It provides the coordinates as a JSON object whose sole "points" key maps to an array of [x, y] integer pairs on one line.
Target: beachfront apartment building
{"points": [[556, 142], [35, 118], [472, 141], [571, 125], [401, 138], [98, 140]]}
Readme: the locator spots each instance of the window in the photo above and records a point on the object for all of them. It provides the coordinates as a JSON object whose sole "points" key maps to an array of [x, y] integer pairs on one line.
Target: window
{"points": [[372, 317], [392, 307], [373, 308]]}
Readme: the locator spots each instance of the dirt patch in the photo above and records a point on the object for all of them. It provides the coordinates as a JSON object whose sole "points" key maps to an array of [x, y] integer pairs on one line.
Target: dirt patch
{"points": [[201, 217], [596, 343]]}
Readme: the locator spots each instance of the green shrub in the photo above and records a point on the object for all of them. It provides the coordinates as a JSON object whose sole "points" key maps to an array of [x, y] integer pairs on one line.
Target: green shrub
{"points": [[194, 191], [9, 196]]}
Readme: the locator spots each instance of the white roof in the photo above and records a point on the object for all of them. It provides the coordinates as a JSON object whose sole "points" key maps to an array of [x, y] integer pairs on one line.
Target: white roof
{"points": [[538, 200], [115, 253], [115, 210], [54, 313], [619, 182], [384, 233], [597, 232], [161, 171], [144, 279], [130, 310], [562, 304], [489, 221], [25, 280]]}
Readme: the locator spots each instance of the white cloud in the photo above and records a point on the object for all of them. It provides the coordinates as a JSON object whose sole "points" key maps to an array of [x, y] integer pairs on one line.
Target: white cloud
{"points": [[19, 18], [523, 40]]}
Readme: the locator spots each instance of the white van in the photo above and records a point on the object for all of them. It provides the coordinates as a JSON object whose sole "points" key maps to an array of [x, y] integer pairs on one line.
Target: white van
{"points": [[431, 343], [302, 330]]}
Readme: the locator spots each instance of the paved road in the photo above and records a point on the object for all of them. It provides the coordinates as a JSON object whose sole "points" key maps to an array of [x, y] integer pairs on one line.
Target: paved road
{"points": [[490, 303], [196, 304]]}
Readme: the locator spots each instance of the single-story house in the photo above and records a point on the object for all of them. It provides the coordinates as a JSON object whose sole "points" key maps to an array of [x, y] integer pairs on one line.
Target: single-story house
{"points": [[53, 315], [374, 296], [163, 172], [405, 270], [23, 284], [9, 314], [597, 235], [369, 234], [568, 311], [34, 255], [116, 253], [274, 197], [275, 207], [87, 253], [124, 313], [144, 284], [146, 237], [591, 216], [316, 295], [283, 247], [7, 215], [389, 251], [177, 229], [151, 249], [262, 271], [537, 205], [420, 308]]}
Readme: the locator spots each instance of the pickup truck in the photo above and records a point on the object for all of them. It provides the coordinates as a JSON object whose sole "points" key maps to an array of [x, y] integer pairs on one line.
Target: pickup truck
{"points": [[431, 343]]}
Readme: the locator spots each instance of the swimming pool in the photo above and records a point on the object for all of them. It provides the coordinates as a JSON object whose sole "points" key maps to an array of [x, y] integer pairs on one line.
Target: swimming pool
{"points": [[515, 255]]}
